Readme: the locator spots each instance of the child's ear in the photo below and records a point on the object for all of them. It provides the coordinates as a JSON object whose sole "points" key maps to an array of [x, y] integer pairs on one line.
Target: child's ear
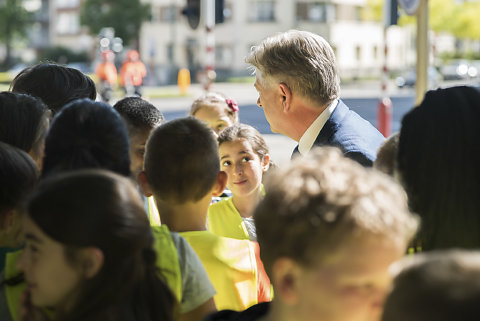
{"points": [[220, 184], [92, 261], [144, 184], [266, 162], [285, 276]]}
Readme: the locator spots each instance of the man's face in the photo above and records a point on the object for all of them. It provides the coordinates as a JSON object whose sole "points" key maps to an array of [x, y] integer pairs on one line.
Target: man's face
{"points": [[270, 100], [351, 284]]}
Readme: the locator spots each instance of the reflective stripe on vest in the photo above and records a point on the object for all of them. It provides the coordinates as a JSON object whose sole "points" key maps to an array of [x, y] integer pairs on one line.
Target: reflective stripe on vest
{"points": [[167, 259], [153, 215]]}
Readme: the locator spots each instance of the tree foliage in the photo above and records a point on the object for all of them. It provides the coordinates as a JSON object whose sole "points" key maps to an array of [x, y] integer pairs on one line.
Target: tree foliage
{"points": [[125, 16], [14, 20], [460, 18]]}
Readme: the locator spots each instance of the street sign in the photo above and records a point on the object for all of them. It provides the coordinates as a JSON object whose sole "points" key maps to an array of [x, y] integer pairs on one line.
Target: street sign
{"points": [[410, 6]]}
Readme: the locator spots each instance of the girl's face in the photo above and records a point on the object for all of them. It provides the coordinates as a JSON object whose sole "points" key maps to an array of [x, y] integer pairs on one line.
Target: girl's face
{"points": [[51, 279], [243, 166], [215, 117]]}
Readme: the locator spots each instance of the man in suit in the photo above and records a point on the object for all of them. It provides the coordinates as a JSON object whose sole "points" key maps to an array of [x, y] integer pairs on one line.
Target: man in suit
{"points": [[298, 86]]}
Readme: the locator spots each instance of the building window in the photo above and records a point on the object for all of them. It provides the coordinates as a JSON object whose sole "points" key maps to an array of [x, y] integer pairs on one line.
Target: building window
{"points": [[261, 11], [61, 4], [223, 55], [358, 53], [315, 11], [168, 14], [68, 23]]}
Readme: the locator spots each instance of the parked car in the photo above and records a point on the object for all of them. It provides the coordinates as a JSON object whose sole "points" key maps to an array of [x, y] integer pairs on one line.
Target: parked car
{"points": [[408, 78], [458, 70]]}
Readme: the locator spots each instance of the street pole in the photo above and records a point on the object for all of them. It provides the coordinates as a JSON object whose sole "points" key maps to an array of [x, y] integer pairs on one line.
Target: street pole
{"points": [[421, 84], [210, 43]]}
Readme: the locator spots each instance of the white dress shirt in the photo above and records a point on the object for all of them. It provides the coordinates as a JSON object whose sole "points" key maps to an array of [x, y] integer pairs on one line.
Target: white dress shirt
{"points": [[308, 138]]}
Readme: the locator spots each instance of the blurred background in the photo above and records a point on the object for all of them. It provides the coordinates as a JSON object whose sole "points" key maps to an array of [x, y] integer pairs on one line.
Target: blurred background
{"points": [[74, 32]]}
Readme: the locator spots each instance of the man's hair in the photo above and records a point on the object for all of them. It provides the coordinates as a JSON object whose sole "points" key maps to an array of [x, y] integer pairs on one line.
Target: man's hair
{"points": [[302, 60], [387, 155], [438, 164], [23, 121], [18, 176], [181, 160], [319, 202], [54, 84], [139, 114], [440, 286], [87, 134]]}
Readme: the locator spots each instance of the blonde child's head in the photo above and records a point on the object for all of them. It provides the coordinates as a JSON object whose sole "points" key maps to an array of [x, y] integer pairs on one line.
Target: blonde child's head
{"points": [[244, 156], [216, 110], [329, 230]]}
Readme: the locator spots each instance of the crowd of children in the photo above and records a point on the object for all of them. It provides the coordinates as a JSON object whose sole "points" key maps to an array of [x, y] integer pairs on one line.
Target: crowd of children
{"points": [[106, 213]]}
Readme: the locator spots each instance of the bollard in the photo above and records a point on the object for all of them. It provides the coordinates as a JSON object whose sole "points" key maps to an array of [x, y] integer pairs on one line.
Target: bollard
{"points": [[384, 116], [183, 80]]}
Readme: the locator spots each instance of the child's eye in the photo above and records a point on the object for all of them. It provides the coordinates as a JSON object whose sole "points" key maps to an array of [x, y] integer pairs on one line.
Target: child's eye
{"points": [[246, 159], [226, 163]]}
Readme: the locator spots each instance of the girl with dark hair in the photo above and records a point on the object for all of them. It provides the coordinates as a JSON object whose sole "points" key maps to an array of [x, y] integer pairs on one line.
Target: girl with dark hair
{"points": [[87, 134], [55, 84], [438, 164], [91, 257], [245, 157], [18, 177], [24, 122]]}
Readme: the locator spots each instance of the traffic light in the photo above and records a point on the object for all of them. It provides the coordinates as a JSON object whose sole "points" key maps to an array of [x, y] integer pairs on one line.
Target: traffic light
{"points": [[192, 11], [391, 12], [219, 11]]}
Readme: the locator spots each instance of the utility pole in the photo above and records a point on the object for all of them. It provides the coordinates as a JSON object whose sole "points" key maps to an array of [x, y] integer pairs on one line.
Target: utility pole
{"points": [[210, 75], [423, 43]]}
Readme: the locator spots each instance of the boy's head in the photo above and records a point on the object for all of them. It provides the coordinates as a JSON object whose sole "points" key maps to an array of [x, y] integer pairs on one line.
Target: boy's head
{"points": [[387, 155], [329, 229], [440, 286], [87, 134], [181, 161], [55, 84], [18, 176], [141, 118]]}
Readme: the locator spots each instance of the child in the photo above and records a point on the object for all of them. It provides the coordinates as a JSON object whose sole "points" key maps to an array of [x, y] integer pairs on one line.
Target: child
{"points": [[91, 258], [329, 230], [216, 111], [182, 172], [244, 157], [24, 122], [88, 134], [54, 84], [437, 286], [387, 155], [141, 118], [18, 176]]}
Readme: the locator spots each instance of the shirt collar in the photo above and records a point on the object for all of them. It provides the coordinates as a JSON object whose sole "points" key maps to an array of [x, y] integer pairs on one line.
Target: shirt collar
{"points": [[308, 138]]}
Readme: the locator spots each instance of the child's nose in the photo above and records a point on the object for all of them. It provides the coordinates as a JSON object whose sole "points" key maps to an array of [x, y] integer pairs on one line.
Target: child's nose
{"points": [[238, 169]]}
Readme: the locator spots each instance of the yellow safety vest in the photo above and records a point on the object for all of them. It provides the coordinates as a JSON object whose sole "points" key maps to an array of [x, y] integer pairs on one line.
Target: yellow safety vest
{"points": [[153, 215], [234, 268], [225, 220], [167, 262], [167, 259], [13, 292]]}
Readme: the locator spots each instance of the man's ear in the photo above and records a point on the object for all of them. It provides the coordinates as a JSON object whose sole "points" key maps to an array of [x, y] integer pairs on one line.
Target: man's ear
{"points": [[144, 184], [266, 162], [285, 277], [286, 96], [220, 184], [92, 261]]}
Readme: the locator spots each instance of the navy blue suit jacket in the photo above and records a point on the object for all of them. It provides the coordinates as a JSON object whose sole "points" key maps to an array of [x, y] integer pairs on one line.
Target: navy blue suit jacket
{"points": [[355, 136]]}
